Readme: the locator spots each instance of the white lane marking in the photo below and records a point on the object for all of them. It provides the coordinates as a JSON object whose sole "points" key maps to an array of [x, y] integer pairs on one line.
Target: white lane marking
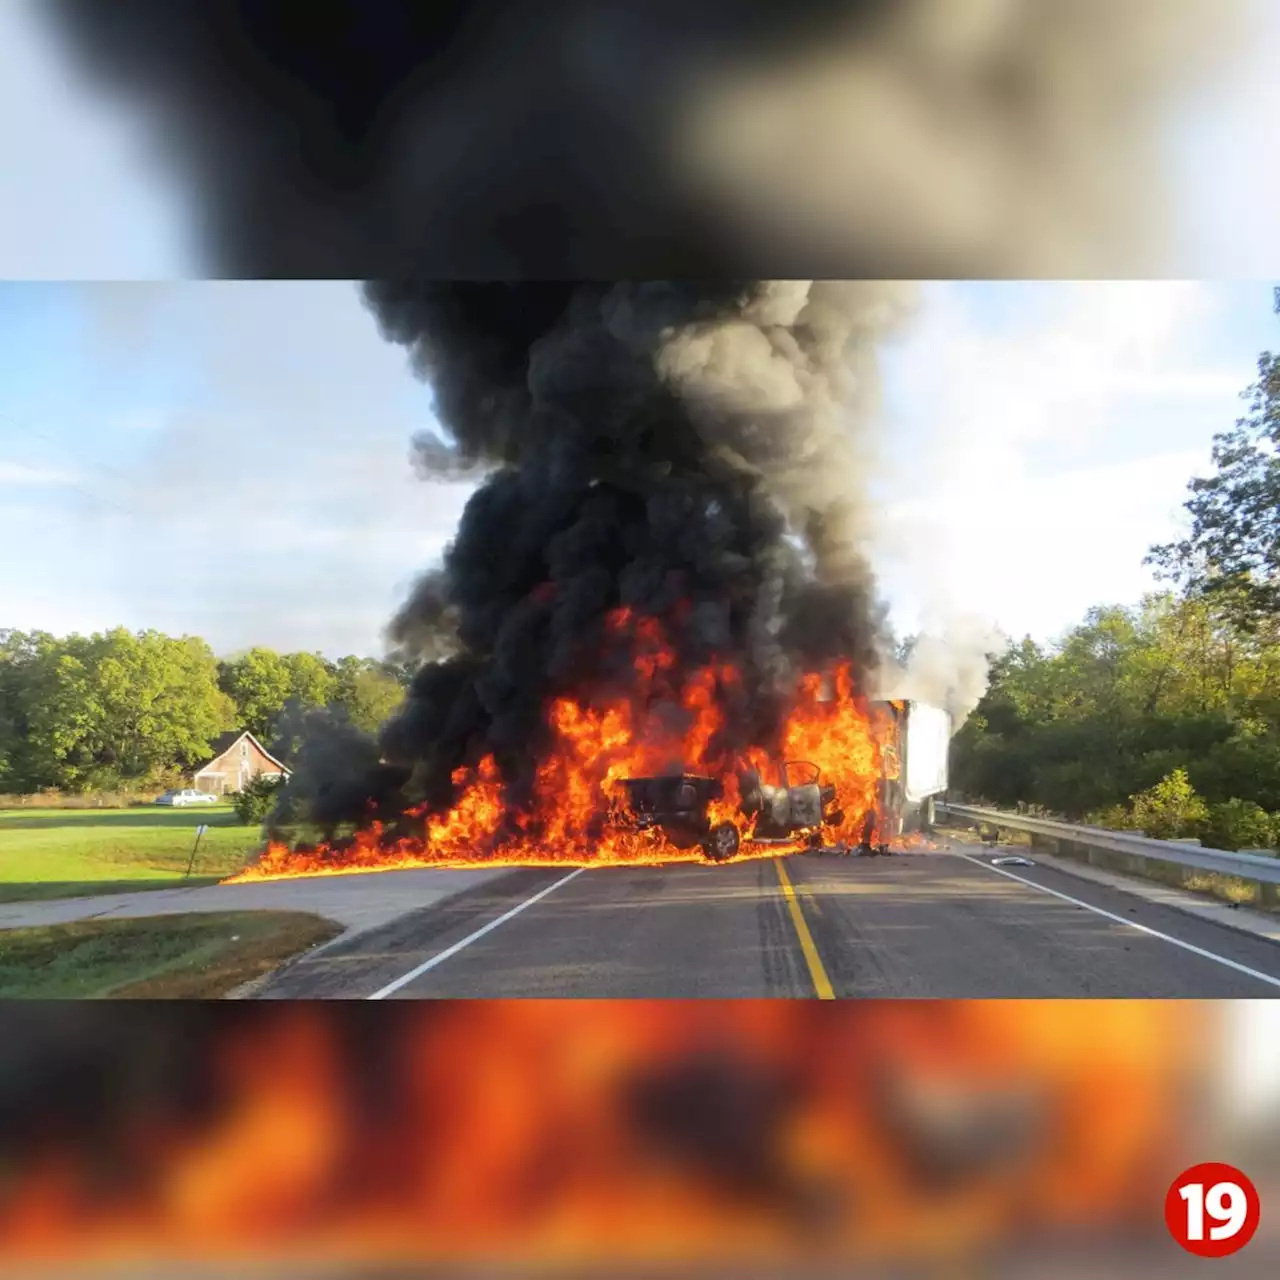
{"points": [[392, 987], [1132, 924]]}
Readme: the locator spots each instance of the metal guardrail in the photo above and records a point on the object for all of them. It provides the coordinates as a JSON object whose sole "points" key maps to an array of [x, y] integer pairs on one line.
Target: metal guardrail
{"points": [[1248, 866]]}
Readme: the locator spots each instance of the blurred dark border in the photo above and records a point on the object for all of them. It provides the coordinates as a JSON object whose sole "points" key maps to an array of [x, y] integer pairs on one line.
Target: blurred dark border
{"points": [[606, 139]]}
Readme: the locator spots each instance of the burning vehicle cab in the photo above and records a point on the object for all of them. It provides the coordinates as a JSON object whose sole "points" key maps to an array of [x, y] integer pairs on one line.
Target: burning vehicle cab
{"points": [[679, 805], [799, 807], [799, 804], [683, 807]]}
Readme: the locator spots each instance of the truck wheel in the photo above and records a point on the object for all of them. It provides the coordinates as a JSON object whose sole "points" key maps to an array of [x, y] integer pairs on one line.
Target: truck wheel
{"points": [[722, 842]]}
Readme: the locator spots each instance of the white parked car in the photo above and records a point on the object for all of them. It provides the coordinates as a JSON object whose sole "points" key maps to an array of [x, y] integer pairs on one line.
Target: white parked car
{"points": [[189, 796]]}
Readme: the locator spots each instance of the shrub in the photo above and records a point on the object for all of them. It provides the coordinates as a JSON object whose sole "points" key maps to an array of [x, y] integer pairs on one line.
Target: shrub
{"points": [[171, 778], [1170, 809], [256, 799], [51, 798], [1113, 818], [1245, 766], [1240, 824]]}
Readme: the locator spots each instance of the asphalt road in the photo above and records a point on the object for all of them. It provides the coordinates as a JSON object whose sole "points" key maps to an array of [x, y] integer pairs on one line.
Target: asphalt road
{"points": [[932, 924]]}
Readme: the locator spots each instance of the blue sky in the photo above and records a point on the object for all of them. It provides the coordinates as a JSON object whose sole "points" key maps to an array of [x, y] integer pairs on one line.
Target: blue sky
{"points": [[222, 458], [231, 459]]}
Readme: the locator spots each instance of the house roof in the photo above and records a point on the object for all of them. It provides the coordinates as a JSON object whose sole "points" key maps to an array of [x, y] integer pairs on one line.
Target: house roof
{"points": [[225, 741]]}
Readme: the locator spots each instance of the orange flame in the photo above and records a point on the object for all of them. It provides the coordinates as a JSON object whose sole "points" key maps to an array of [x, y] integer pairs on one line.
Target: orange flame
{"points": [[629, 1130], [576, 814]]}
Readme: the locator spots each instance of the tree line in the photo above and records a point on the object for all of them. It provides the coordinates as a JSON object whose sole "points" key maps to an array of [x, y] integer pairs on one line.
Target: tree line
{"points": [[1164, 716], [122, 709]]}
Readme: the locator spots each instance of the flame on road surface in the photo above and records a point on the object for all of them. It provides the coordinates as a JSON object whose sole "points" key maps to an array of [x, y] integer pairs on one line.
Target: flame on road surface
{"points": [[575, 815]]}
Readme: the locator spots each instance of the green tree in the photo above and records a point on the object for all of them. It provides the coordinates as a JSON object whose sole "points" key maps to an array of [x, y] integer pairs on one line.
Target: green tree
{"points": [[24, 763], [367, 692], [1233, 547], [118, 706], [1240, 824], [260, 682], [95, 711], [312, 680], [1122, 700], [401, 670], [1170, 809]]}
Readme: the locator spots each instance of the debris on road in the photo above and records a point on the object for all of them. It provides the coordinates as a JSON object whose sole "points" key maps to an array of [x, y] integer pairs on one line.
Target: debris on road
{"points": [[1012, 861], [843, 849]]}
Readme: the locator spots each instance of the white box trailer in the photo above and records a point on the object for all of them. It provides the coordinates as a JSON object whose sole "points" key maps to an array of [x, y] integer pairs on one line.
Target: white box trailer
{"points": [[915, 773]]}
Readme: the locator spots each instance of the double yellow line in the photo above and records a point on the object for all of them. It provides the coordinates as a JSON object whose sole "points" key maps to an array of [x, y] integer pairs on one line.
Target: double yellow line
{"points": [[821, 983]]}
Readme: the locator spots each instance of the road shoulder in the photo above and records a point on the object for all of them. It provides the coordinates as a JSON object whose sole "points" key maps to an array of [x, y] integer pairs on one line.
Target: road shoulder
{"points": [[1258, 924]]}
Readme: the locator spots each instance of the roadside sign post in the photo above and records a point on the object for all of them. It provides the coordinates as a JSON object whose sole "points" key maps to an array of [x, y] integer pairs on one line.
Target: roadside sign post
{"points": [[200, 830]]}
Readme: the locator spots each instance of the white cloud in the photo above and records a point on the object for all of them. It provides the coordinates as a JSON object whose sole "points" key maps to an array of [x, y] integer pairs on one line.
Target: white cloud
{"points": [[1214, 385], [1034, 555], [276, 506], [1029, 475]]}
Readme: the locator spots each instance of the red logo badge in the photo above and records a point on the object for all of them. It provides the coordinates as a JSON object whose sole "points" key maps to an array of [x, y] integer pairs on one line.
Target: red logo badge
{"points": [[1212, 1210]]}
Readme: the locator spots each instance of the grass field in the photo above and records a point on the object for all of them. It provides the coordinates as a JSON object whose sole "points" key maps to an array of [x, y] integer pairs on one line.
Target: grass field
{"points": [[160, 957], [60, 853]]}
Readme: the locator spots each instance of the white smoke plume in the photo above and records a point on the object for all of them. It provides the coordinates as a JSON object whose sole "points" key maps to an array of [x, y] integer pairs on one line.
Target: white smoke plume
{"points": [[948, 667]]}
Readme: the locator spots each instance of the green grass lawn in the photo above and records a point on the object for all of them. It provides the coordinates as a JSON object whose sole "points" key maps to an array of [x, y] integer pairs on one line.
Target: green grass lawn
{"points": [[193, 956], [59, 853]]}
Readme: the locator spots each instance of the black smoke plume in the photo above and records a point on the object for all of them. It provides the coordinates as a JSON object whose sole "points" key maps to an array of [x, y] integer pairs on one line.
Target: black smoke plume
{"points": [[588, 139], [688, 451]]}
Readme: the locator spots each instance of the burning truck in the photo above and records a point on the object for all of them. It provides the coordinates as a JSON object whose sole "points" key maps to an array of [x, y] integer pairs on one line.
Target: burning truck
{"points": [[845, 775], [655, 634], [800, 808]]}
